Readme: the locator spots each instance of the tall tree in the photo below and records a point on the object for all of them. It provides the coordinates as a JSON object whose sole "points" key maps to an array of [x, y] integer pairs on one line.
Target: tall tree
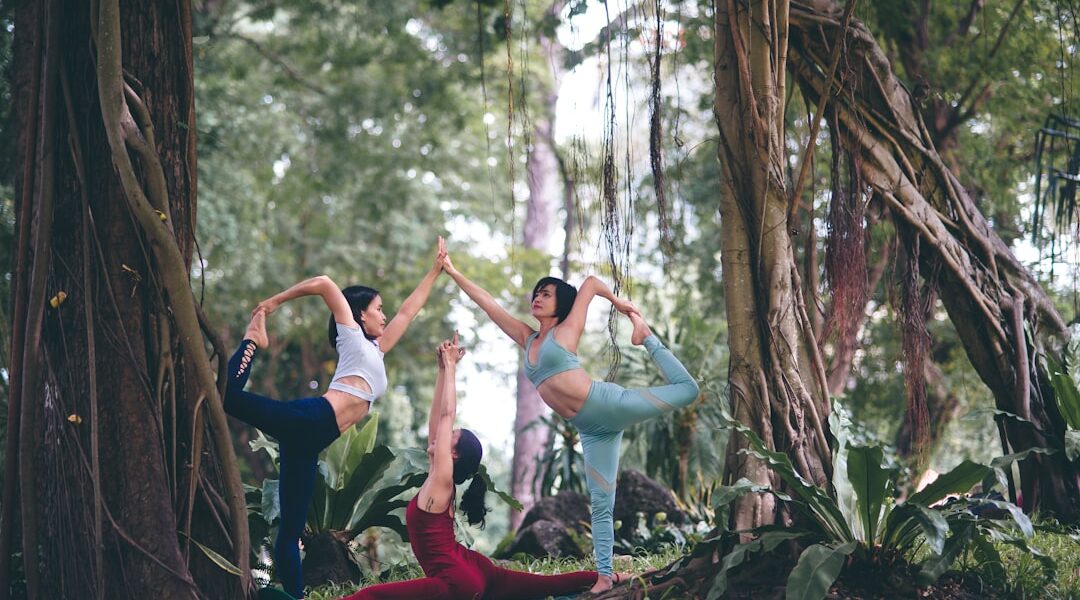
{"points": [[1003, 316], [775, 375], [531, 435], [115, 419]]}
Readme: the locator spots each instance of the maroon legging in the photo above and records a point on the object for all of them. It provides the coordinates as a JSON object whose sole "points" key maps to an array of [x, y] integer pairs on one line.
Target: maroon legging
{"points": [[457, 573]]}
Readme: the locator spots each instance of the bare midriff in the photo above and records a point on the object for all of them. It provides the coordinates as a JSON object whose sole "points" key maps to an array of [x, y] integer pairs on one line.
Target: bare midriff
{"points": [[349, 409], [566, 392]]}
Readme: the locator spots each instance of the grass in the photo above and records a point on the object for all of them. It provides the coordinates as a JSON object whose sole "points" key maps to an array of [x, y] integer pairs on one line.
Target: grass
{"points": [[1022, 575], [545, 566]]}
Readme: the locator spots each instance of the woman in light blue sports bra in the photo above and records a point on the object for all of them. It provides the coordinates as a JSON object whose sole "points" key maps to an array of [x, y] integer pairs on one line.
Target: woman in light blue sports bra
{"points": [[303, 428], [600, 410]]}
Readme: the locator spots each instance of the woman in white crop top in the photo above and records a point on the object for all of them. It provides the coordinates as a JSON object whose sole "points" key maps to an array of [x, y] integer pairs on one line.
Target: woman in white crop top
{"points": [[303, 428]]}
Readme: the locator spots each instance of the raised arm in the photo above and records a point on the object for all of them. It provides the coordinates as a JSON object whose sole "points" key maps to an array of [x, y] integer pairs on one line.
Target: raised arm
{"points": [[316, 286], [574, 323], [518, 330], [412, 305], [435, 414], [437, 491]]}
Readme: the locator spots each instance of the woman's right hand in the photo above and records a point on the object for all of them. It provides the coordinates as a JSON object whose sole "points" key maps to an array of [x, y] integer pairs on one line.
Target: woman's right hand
{"points": [[448, 266]]}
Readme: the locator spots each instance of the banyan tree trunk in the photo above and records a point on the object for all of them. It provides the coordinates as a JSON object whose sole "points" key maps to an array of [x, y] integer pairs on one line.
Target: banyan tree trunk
{"points": [[119, 466], [776, 377], [991, 299]]}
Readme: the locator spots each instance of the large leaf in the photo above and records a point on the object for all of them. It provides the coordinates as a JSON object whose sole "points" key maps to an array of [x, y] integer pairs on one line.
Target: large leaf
{"points": [[505, 497], [1066, 393], [223, 563], [934, 567], [362, 478], [766, 542], [1001, 465], [261, 442], [1019, 518], [933, 525], [401, 474], [908, 521], [346, 452], [1072, 444], [817, 569], [726, 494], [822, 507], [957, 481], [840, 428], [271, 505], [871, 484]]}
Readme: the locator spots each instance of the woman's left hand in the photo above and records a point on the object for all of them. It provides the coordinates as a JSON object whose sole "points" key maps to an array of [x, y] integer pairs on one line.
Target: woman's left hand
{"points": [[440, 255], [626, 307], [267, 306]]}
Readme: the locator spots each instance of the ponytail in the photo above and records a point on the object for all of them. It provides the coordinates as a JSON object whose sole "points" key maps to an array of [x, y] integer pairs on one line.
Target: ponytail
{"points": [[466, 465], [472, 501]]}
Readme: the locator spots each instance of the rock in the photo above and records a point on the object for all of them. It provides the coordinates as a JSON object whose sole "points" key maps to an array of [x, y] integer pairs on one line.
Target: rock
{"points": [[570, 509], [636, 493], [326, 558], [545, 538], [545, 528]]}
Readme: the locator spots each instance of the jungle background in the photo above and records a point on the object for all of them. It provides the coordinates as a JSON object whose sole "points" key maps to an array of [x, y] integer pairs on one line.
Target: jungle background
{"points": [[855, 223]]}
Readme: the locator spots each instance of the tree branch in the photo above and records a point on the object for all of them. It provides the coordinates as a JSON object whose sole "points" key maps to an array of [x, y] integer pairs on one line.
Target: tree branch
{"points": [[823, 101]]}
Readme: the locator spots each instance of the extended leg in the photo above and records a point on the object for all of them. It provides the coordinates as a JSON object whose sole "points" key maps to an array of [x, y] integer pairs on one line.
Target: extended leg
{"points": [[428, 588], [295, 487], [681, 389], [611, 407], [601, 452], [504, 584]]}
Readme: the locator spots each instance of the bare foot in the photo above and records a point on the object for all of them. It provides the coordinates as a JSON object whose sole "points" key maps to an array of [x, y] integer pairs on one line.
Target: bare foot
{"points": [[606, 582], [603, 584], [641, 330], [256, 330]]}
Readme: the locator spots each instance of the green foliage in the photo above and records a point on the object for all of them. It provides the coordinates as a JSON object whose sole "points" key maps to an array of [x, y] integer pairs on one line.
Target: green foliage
{"points": [[863, 521], [679, 448], [663, 535], [360, 484], [1063, 378], [562, 466]]}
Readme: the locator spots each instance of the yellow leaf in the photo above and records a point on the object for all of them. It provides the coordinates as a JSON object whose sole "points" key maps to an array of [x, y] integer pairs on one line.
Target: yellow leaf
{"points": [[58, 299], [74, 418]]}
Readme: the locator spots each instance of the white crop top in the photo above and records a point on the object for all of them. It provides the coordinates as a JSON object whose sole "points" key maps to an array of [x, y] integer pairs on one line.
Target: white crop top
{"points": [[360, 357]]}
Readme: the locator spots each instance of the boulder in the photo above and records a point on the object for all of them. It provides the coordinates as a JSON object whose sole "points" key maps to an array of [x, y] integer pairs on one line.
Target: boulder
{"points": [[327, 558], [637, 493], [544, 538], [570, 509], [545, 528]]}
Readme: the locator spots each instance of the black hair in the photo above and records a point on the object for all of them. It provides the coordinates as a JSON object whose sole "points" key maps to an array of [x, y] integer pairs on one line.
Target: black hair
{"points": [[359, 298], [564, 295], [466, 465]]}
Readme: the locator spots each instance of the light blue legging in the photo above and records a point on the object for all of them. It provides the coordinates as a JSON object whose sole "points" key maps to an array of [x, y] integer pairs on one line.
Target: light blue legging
{"points": [[608, 410]]}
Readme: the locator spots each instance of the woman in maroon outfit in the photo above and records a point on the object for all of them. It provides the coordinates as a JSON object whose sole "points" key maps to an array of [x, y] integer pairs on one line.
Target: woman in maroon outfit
{"points": [[453, 571]]}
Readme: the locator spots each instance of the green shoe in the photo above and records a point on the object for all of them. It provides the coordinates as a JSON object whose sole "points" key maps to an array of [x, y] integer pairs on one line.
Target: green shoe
{"points": [[272, 593]]}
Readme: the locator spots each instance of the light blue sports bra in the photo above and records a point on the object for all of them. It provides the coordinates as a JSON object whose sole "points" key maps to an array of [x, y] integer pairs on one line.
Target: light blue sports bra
{"points": [[551, 360]]}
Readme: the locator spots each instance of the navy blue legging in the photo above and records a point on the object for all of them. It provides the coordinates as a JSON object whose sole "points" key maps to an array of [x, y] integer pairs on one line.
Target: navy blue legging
{"points": [[302, 428]]}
